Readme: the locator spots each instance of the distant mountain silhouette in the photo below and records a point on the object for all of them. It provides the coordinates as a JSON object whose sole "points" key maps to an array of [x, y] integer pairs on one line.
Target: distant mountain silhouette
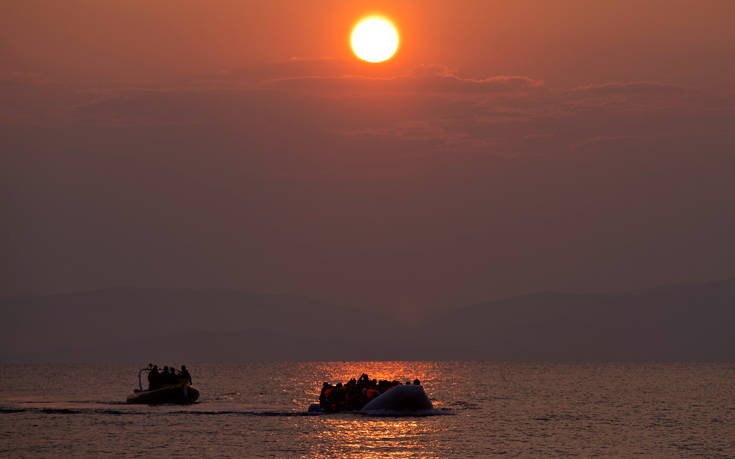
{"points": [[684, 322], [135, 324]]}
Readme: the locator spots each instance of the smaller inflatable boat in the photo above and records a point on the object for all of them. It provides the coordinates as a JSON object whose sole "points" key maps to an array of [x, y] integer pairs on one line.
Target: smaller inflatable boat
{"points": [[181, 394], [173, 392]]}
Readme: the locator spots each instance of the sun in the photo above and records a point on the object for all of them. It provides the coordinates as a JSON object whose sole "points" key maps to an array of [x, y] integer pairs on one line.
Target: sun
{"points": [[374, 40]]}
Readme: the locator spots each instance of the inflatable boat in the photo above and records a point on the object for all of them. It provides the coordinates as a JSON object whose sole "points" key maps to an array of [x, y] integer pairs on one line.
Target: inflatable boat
{"points": [[400, 400], [181, 394]]}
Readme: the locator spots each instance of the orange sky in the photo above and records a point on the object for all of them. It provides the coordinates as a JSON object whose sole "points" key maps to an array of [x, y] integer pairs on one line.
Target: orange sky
{"points": [[567, 43], [508, 147]]}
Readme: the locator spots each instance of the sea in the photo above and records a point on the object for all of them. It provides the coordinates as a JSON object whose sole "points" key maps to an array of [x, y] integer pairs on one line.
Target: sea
{"points": [[482, 409]]}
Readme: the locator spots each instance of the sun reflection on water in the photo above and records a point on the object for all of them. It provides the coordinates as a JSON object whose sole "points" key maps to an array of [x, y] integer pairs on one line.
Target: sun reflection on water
{"points": [[402, 371], [362, 436], [358, 436]]}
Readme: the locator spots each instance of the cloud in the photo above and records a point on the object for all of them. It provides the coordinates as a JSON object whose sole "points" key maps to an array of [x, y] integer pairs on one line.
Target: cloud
{"points": [[420, 82], [620, 142], [431, 107], [636, 96], [645, 88]]}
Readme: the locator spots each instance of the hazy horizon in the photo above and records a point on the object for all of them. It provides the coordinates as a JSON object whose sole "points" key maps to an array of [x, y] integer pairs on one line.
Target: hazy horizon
{"points": [[686, 322]]}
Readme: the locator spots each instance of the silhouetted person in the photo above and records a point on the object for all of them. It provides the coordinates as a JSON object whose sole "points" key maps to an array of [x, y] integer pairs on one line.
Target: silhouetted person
{"points": [[371, 394], [336, 398], [154, 378], [416, 382], [184, 375], [323, 394]]}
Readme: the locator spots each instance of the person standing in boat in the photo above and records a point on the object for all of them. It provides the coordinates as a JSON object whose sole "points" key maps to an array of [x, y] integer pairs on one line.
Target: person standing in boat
{"points": [[174, 376], [184, 375], [153, 377], [324, 394]]}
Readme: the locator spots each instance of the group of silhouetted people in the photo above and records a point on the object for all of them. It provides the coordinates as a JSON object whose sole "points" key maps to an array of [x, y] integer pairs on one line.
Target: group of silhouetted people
{"points": [[169, 376], [355, 393]]}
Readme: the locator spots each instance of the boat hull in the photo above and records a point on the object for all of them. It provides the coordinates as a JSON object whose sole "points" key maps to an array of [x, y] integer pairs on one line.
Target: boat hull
{"points": [[180, 394], [400, 399]]}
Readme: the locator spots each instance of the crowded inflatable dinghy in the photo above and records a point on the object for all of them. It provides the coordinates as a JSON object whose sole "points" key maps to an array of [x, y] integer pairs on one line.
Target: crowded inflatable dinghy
{"points": [[369, 396], [167, 386]]}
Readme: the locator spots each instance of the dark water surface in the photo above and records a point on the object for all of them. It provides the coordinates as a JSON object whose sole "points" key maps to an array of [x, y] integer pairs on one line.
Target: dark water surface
{"points": [[524, 409]]}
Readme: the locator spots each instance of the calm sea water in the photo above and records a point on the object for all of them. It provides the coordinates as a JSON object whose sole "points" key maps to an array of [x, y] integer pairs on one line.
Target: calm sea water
{"points": [[486, 409]]}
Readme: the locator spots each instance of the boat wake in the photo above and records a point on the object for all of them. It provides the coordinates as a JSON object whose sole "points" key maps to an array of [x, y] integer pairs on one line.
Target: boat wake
{"points": [[265, 413], [139, 412]]}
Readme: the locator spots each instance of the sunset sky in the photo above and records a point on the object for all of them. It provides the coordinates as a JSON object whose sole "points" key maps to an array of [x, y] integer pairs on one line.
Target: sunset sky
{"points": [[507, 147]]}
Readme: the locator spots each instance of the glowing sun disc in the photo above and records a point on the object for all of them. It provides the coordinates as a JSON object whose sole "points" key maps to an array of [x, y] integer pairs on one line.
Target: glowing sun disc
{"points": [[374, 40]]}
